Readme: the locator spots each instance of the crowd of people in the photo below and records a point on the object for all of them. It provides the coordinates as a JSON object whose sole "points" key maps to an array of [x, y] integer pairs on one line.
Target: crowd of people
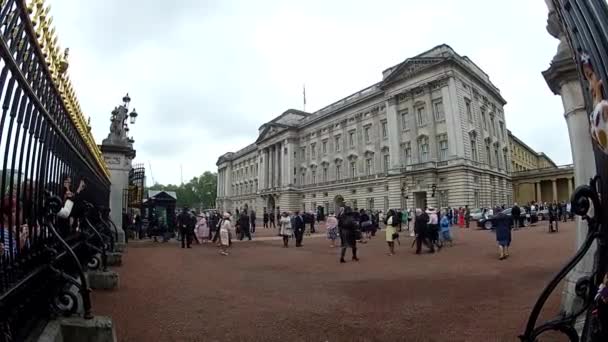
{"points": [[430, 227]]}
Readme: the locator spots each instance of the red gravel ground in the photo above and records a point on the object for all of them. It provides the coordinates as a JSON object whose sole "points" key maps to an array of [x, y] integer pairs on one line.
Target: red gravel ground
{"points": [[263, 292]]}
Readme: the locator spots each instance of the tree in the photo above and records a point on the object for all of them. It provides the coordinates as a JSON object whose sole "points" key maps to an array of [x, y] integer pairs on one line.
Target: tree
{"points": [[199, 192]]}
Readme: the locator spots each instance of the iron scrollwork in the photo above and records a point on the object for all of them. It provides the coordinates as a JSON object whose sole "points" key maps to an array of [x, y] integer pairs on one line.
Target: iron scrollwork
{"points": [[585, 203], [584, 24]]}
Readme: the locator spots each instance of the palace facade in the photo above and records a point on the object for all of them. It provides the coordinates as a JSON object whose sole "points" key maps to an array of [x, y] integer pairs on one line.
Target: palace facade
{"points": [[432, 132]]}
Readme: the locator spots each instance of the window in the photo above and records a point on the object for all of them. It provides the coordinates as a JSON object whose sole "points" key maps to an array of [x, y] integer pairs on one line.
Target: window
{"points": [[313, 177], [474, 154], [483, 119], [504, 156], [421, 116], [313, 150], [353, 169], [355, 204], [338, 143], [403, 114], [366, 133], [488, 153], [443, 146], [496, 159], [338, 172], [351, 139], [384, 130], [368, 166], [302, 177], [324, 146], [467, 104], [408, 153], [438, 111], [475, 179], [501, 126], [370, 204], [443, 198], [476, 201], [325, 174], [423, 149], [492, 128], [303, 152], [387, 161]]}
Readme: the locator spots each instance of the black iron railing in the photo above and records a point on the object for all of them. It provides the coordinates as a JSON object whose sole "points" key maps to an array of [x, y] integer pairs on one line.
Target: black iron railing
{"points": [[44, 160], [585, 24]]}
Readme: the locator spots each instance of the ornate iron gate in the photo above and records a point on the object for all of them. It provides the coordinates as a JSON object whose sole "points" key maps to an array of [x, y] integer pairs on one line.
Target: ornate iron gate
{"points": [[585, 23], [46, 149]]}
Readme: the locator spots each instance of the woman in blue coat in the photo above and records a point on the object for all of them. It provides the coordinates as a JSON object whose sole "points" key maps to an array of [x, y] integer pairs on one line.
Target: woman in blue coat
{"points": [[503, 233]]}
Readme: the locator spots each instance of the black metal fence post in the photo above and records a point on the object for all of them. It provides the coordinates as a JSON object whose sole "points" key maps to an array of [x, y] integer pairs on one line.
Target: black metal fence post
{"points": [[44, 156]]}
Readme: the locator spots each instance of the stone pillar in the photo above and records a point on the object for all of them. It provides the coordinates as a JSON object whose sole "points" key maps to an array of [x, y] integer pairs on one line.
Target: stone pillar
{"points": [[118, 158], [554, 183], [570, 190], [562, 79], [394, 132], [539, 197], [271, 166], [452, 120]]}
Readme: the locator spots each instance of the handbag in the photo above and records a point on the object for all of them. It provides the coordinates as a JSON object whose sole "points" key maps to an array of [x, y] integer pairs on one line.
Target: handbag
{"points": [[358, 234]]}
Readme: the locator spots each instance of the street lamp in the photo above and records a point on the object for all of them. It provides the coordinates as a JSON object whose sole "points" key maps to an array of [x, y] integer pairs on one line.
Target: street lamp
{"points": [[133, 116]]}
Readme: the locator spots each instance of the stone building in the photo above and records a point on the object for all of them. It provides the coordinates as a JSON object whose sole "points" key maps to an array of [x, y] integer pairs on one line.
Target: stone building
{"points": [[431, 132], [524, 158], [536, 177]]}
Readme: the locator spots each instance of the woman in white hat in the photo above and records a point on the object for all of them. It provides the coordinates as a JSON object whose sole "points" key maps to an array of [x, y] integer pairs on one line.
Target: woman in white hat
{"points": [[225, 230]]}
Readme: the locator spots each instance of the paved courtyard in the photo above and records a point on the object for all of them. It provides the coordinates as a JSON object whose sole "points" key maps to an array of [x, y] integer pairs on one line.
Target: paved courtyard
{"points": [[263, 292]]}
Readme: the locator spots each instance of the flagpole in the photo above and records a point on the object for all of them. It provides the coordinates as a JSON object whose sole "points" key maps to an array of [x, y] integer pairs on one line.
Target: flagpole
{"points": [[304, 94]]}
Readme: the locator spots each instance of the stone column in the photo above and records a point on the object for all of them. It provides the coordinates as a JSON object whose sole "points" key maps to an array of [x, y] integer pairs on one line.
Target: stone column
{"points": [[554, 183], [279, 166], [570, 190], [394, 131], [271, 166], [539, 197], [562, 79]]}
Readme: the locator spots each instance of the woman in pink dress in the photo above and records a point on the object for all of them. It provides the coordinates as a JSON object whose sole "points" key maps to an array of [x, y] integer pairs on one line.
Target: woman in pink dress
{"points": [[202, 229]]}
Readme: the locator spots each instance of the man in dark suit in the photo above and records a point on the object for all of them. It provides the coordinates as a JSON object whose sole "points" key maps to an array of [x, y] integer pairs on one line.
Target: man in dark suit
{"points": [[184, 224], [244, 225], [299, 228]]}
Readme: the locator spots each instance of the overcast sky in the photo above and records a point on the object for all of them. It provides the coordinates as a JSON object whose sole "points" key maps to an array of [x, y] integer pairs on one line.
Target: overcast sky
{"points": [[204, 75]]}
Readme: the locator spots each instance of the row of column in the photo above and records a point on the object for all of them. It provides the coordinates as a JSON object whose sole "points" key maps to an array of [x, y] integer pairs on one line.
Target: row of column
{"points": [[276, 161], [271, 169], [538, 187], [224, 182]]}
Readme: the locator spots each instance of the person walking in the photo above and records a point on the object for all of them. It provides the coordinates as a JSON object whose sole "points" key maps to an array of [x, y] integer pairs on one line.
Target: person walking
{"points": [[467, 215], [348, 233], [265, 219], [299, 228], [243, 224], [271, 218], [553, 217], [445, 229], [503, 233], [433, 228], [285, 229], [391, 231], [332, 229], [405, 218], [252, 219], [183, 224], [515, 213], [202, 228], [224, 233], [421, 230]]}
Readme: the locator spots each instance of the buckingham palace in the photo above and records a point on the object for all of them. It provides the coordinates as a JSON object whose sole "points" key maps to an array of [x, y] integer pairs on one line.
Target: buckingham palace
{"points": [[432, 132]]}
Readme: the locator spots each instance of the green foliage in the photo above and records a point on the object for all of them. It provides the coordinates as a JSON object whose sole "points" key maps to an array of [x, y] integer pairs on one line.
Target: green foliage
{"points": [[199, 192]]}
